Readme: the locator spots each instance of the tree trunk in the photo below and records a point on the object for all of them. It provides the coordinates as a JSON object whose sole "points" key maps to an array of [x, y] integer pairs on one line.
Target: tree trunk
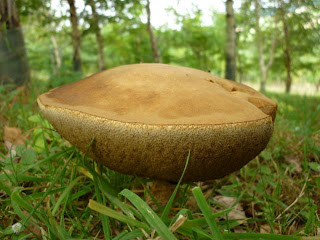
{"points": [[76, 38], [14, 67], [264, 68], [95, 27], [263, 82], [57, 55], [286, 47], [154, 45], [231, 42]]}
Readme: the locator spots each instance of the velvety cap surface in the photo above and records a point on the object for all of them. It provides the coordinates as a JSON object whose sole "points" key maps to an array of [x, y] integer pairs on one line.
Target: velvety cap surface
{"points": [[146, 117], [161, 94]]}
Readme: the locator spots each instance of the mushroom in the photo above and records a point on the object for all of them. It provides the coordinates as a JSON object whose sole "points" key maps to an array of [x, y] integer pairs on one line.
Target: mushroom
{"points": [[144, 119]]}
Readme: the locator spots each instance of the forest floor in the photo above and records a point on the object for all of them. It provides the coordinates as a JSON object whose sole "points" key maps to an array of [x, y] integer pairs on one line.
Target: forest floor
{"points": [[49, 190]]}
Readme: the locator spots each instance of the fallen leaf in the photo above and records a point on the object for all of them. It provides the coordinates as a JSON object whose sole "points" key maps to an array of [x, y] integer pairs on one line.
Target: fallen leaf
{"points": [[237, 212], [161, 191], [178, 223], [295, 162], [12, 137], [265, 228]]}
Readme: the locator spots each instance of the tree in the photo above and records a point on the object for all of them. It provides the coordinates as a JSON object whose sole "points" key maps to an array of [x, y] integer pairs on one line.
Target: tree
{"points": [[94, 25], [231, 42], [14, 67], [286, 45], [57, 56], [264, 68], [76, 37], [153, 41]]}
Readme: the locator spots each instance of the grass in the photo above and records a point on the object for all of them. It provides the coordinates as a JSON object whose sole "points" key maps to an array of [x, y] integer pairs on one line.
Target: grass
{"points": [[56, 192]]}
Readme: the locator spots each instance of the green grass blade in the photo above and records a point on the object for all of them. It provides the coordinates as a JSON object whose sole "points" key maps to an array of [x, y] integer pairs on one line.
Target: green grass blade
{"points": [[104, 183], [65, 193], [137, 233], [150, 216], [114, 214], [310, 219], [186, 231], [54, 224], [260, 236], [51, 186], [5, 188], [170, 202], [115, 201], [29, 208], [104, 219], [205, 209]]}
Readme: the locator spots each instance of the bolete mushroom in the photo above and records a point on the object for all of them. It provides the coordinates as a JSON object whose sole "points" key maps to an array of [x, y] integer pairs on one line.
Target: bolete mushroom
{"points": [[146, 117]]}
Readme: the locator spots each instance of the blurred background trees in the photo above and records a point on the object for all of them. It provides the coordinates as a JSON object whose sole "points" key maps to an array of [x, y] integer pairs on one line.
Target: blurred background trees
{"points": [[261, 42], [14, 66]]}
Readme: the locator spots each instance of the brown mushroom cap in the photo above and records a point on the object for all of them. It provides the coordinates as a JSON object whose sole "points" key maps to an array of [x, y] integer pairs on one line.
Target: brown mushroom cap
{"points": [[146, 117]]}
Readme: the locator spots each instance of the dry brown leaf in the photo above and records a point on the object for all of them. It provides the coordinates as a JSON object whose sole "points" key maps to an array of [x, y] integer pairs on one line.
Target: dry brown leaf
{"points": [[239, 230], [178, 223], [12, 137], [292, 229], [192, 204], [162, 191], [265, 228], [294, 160], [237, 212]]}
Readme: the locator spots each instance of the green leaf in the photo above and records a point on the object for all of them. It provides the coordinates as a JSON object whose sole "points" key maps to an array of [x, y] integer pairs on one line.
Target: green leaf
{"points": [[137, 233], [28, 156], [150, 216], [314, 166], [259, 236], [205, 209], [65, 194], [98, 207], [170, 202]]}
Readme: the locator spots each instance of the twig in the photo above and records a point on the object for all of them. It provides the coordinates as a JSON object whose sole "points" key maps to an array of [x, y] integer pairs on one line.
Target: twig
{"points": [[296, 200]]}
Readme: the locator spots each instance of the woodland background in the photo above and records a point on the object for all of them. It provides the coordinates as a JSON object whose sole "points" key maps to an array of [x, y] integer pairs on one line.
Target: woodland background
{"points": [[262, 42]]}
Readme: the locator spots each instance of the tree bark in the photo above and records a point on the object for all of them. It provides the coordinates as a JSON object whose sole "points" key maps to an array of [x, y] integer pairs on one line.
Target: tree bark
{"points": [[286, 47], [95, 27], [154, 45], [264, 68], [14, 67], [57, 55], [231, 42], [76, 37]]}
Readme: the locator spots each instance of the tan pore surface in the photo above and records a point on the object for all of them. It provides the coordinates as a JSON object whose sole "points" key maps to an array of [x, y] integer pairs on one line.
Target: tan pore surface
{"points": [[146, 117]]}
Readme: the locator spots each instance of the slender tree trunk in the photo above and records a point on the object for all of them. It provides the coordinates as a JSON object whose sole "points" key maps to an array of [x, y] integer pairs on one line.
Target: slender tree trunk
{"points": [[154, 45], [231, 42], [14, 67], [286, 47], [263, 82], [264, 68], [57, 55], [99, 38], [76, 38]]}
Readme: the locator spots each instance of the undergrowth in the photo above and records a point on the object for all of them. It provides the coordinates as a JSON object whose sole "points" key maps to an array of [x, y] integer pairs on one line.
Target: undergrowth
{"points": [[49, 190]]}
